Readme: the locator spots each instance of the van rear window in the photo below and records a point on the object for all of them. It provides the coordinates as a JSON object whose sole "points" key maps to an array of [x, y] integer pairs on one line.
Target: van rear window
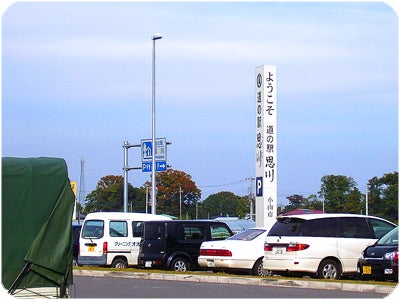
{"points": [[287, 227], [93, 229]]}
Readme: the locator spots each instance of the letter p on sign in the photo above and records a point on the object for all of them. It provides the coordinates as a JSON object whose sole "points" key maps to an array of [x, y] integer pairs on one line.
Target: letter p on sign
{"points": [[259, 187]]}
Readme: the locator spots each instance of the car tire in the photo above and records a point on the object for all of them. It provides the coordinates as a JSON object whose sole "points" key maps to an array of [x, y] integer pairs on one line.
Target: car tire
{"points": [[329, 269], [180, 264], [258, 268], [119, 263]]}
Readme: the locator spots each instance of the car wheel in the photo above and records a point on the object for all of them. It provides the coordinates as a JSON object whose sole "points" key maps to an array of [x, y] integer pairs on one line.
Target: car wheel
{"points": [[329, 269], [258, 268], [119, 263], [180, 264]]}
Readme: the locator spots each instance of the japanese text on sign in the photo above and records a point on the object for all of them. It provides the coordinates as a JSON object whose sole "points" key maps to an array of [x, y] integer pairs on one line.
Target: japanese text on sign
{"points": [[266, 141]]}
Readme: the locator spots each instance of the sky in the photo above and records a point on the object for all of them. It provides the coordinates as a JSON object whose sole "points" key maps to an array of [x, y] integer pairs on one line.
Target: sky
{"points": [[77, 83]]}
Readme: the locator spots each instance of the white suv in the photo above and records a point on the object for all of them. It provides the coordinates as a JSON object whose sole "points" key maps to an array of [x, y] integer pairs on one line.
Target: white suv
{"points": [[322, 245]]}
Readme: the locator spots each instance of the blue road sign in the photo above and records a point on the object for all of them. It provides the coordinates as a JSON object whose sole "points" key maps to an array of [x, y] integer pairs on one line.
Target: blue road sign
{"points": [[160, 150], [146, 150], [146, 166], [160, 166]]}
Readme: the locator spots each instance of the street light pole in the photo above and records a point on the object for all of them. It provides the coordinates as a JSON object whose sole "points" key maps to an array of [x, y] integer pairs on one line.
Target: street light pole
{"points": [[153, 128]]}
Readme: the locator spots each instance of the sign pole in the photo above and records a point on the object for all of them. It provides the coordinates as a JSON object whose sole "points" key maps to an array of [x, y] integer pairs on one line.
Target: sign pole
{"points": [[126, 145], [126, 169]]}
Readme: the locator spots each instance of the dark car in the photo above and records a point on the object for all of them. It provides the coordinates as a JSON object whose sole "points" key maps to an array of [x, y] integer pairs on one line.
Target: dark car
{"points": [[381, 260], [176, 244], [76, 231]]}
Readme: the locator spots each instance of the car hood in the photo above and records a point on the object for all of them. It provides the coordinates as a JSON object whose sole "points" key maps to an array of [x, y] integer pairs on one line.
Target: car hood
{"points": [[378, 251]]}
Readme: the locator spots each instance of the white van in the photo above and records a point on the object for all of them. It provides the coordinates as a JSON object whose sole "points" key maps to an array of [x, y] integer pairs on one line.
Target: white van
{"points": [[323, 245], [112, 238]]}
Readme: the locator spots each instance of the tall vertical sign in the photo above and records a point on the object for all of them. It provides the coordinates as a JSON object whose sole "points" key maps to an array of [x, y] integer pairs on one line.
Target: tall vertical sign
{"points": [[266, 146]]}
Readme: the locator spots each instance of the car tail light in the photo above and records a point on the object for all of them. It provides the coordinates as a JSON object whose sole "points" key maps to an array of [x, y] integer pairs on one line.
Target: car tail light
{"points": [[296, 247], [105, 247], [158, 262], [79, 248], [267, 247], [215, 252]]}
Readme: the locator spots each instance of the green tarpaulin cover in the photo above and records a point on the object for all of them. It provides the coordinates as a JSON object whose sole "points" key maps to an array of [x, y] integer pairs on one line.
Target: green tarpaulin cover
{"points": [[37, 207]]}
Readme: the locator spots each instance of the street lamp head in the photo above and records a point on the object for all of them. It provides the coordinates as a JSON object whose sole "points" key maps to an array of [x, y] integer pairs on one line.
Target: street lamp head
{"points": [[156, 36]]}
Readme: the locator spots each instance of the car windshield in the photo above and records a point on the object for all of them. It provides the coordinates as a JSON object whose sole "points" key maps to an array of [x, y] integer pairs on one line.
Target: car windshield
{"points": [[390, 238], [247, 235]]}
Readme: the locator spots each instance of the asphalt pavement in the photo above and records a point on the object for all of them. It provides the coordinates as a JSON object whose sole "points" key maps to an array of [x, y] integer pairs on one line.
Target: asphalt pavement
{"points": [[265, 281]]}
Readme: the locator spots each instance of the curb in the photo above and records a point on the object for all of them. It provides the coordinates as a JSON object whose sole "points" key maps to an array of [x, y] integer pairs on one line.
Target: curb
{"points": [[323, 285]]}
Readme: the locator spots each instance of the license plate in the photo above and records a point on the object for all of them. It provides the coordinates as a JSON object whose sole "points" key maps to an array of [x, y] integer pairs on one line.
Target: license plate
{"points": [[210, 263], [279, 250], [91, 248], [148, 264], [367, 270]]}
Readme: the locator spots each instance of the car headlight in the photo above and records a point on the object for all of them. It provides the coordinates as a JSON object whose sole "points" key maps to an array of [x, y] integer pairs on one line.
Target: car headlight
{"points": [[393, 256]]}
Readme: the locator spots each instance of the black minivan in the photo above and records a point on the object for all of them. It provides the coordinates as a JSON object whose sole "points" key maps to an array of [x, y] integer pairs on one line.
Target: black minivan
{"points": [[176, 244]]}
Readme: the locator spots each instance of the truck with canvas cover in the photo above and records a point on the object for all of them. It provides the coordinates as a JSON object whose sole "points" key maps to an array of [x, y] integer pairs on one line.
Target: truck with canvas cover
{"points": [[37, 241]]}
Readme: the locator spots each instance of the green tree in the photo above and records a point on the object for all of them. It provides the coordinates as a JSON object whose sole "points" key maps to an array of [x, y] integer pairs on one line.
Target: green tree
{"points": [[299, 201], [296, 201], [340, 194], [314, 202], [108, 195], [383, 196], [224, 204], [137, 199], [176, 193]]}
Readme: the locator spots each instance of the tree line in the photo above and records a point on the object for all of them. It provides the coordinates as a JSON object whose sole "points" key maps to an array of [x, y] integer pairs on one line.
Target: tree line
{"points": [[178, 195], [340, 194]]}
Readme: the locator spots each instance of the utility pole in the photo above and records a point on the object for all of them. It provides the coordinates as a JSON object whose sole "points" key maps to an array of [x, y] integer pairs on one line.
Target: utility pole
{"points": [[81, 188], [180, 202], [147, 198], [251, 196], [366, 201]]}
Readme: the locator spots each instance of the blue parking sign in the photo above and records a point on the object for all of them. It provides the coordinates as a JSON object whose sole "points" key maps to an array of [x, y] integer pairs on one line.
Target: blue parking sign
{"points": [[259, 187]]}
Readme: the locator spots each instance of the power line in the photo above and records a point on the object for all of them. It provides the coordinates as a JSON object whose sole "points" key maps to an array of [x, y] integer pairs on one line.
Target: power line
{"points": [[280, 194], [223, 184]]}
